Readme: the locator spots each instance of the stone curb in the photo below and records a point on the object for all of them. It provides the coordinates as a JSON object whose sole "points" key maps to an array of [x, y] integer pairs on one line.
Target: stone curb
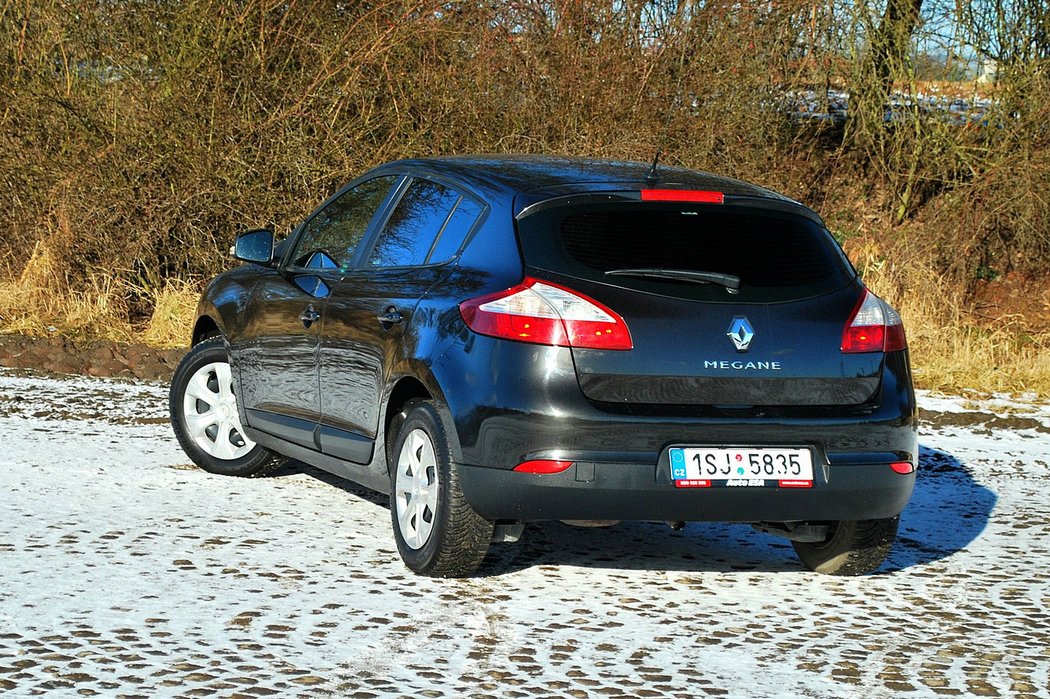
{"points": [[64, 355]]}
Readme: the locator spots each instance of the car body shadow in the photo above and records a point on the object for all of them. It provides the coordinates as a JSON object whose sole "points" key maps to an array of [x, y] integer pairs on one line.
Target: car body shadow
{"points": [[948, 510], [294, 468], [651, 546]]}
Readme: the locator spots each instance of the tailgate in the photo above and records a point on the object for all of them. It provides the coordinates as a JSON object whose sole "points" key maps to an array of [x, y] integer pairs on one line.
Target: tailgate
{"points": [[727, 304], [684, 354]]}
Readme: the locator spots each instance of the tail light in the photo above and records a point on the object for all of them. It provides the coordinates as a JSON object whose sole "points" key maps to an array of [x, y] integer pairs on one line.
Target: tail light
{"points": [[873, 327], [903, 467], [546, 314]]}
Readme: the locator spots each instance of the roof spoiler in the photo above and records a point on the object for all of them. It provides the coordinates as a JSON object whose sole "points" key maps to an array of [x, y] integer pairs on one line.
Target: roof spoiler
{"points": [[664, 196]]}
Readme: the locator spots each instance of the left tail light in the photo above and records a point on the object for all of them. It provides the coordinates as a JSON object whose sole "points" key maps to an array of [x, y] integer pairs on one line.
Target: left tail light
{"points": [[873, 327], [545, 313]]}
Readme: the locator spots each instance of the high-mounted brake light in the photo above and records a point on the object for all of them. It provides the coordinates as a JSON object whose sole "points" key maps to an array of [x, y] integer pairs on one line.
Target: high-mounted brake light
{"points": [[873, 327], [545, 313], [692, 195]]}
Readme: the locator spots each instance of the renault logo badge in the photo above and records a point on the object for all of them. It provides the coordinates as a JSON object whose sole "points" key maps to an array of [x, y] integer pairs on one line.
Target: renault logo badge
{"points": [[741, 333]]}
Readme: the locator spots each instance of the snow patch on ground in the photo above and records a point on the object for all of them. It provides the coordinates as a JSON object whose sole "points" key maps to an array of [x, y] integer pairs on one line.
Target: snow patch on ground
{"points": [[123, 570]]}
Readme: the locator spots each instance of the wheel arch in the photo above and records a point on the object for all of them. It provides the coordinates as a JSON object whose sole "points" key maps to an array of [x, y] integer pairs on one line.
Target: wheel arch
{"points": [[418, 385], [206, 328], [406, 389], [223, 303]]}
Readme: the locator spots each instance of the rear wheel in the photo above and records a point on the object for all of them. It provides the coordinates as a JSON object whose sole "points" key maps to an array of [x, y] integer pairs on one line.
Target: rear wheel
{"points": [[437, 532], [853, 547], [204, 415]]}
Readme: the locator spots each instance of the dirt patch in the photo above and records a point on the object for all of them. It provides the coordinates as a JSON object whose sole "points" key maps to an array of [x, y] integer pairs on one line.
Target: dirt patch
{"points": [[64, 355], [1014, 298], [970, 419]]}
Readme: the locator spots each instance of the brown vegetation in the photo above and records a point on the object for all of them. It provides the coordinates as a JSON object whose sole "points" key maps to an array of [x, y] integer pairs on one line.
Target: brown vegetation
{"points": [[137, 137]]}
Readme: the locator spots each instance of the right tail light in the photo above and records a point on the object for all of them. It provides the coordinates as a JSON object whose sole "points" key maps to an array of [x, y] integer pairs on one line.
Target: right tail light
{"points": [[873, 327]]}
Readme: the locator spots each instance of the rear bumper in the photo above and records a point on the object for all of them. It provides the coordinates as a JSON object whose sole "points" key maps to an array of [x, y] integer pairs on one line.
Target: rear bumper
{"points": [[639, 491], [511, 402]]}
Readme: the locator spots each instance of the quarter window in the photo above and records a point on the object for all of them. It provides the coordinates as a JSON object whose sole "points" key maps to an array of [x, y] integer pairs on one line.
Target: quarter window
{"points": [[331, 236]]}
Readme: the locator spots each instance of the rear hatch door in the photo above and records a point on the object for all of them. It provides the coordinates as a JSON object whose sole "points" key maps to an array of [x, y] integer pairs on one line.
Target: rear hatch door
{"points": [[731, 305]]}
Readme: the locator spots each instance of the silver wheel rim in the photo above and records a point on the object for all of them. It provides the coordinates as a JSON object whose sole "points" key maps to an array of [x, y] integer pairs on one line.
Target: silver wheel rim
{"points": [[416, 489], [209, 410]]}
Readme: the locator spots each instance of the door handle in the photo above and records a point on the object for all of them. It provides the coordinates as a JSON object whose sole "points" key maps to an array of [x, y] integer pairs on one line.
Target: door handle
{"points": [[309, 316], [391, 316]]}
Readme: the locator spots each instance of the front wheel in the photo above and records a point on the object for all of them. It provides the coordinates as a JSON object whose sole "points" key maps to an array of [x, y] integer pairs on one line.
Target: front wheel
{"points": [[852, 547], [437, 532], [204, 415]]}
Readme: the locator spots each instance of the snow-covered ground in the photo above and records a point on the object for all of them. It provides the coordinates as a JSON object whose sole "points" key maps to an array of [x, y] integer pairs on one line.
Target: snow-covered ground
{"points": [[126, 572]]}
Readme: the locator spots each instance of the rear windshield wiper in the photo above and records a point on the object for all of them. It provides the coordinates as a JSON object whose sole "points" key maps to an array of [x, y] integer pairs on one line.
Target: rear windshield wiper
{"points": [[729, 281]]}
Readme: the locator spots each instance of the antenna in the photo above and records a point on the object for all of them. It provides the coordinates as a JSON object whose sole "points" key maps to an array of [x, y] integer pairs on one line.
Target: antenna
{"points": [[653, 177]]}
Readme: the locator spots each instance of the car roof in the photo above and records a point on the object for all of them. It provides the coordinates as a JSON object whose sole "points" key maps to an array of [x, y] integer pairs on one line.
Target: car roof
{"points": [[520, 181], [556, 175]]}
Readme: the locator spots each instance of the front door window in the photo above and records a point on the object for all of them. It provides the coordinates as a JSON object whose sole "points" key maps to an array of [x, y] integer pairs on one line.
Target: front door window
{"points": [[331, 236]]}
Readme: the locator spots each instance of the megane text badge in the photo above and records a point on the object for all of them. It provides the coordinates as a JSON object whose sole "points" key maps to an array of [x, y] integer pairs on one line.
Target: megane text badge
{"points": [[741, 333]]}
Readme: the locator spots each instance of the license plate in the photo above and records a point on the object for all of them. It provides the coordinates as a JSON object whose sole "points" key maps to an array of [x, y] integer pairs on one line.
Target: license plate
{"points": [[697, 467]]}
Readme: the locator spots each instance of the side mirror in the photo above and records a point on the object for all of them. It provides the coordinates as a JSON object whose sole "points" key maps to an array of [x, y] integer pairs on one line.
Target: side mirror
{"points": [[254, 246]]}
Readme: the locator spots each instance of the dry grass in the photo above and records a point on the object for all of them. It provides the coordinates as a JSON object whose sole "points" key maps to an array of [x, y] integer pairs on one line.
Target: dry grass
{"points": [[135, 138], [952, 351], [41, 302], [174, 311]]}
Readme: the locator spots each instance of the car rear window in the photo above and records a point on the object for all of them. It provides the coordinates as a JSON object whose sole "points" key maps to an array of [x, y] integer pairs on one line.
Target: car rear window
{"points": [[777, 256]]}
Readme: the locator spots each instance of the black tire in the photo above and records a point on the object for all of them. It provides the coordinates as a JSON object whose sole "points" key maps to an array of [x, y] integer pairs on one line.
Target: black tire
{"points": [[438, 534], [206, 447], [852, 547]]}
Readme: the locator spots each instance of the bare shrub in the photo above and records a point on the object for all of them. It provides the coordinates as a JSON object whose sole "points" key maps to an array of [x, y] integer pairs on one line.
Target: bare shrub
{"points": [[137, 137]]}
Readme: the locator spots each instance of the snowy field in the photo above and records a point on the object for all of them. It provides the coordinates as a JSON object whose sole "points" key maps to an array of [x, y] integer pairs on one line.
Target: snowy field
{"points": [[126, 572]]}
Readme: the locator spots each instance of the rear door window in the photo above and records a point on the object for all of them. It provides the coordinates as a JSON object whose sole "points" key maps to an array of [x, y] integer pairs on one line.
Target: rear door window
{"points": [[414, 225], [456, 230], [776, 256]]}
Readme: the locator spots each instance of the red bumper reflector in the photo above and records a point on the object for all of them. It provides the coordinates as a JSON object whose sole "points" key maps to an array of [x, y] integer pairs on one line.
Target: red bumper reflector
{"points": [[543, 466], [902, 467], [694, 195]]}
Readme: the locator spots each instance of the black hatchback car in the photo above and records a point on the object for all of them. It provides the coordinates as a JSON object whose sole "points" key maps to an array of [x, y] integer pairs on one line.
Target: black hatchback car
{"points": [[496, 340]]}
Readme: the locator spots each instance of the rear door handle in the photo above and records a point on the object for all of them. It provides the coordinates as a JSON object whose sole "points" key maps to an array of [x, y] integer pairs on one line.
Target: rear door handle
{"points": [[309, 316], [391, 316]]}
